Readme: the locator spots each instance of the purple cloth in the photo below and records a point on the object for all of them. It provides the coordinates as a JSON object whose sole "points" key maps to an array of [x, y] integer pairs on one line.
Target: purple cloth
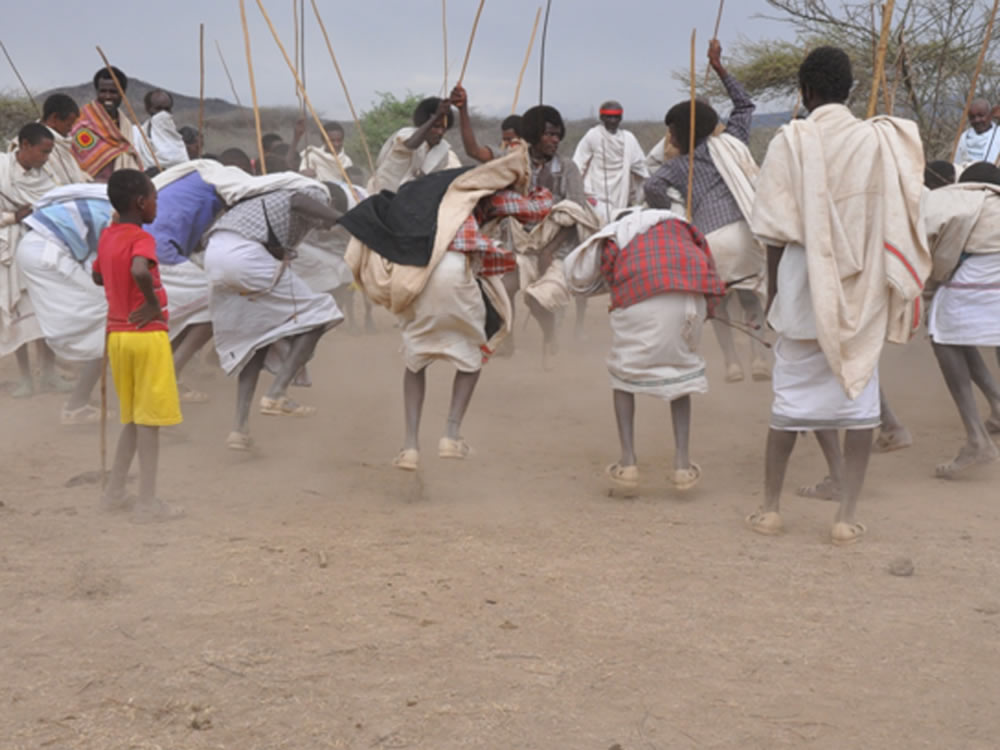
{"points": [[185, 209]]}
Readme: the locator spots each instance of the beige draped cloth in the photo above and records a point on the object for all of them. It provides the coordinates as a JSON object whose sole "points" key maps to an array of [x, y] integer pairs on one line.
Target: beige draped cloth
{"points": [[848, 191], [18, 187], [961, 218], [324, 164], [396, 164]]}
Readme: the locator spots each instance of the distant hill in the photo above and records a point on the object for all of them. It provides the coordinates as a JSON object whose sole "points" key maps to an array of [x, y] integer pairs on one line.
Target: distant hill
{"points": [[137, 90]]}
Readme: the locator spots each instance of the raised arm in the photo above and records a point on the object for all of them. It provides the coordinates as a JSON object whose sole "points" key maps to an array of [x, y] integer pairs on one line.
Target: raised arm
{"points": [[318, 213], [460, 99], [420, 134], [742, 115]]}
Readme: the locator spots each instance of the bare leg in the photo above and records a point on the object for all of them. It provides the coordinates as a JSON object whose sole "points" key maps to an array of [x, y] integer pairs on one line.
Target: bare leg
{"points": [[414, 388], [979, 448], [114, 494], [148, 447], [89, 376], [754, 316], [581, 316], [189, 343], [984, 380], [680, 413], [893, 434], [547, 320], [303, 346], [724, 334], [777, 453], [511, 283], [462, 389], [344, 297], [625, 417], [857, 451], [26, 387], [830, 487], [245, 386]]}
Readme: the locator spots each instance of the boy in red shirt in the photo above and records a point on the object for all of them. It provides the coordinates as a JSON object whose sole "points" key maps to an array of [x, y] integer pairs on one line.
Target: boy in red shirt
{"points": [[138, 346]]}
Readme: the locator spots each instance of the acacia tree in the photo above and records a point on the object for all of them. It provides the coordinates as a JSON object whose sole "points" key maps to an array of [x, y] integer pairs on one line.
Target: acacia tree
{"points": [[931, 59]]}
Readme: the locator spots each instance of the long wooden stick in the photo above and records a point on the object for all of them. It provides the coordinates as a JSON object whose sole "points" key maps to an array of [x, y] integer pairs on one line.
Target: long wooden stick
{"points": [[527, 57], [302, 66], [232, 86], [444, 42], [541, 61], [128, 106], [472, 37], [715, 35], [305, 96], [201, 92], [883, 46], [975, 78], [253, 89], [343, 83], [691, 137], [27, 91]]}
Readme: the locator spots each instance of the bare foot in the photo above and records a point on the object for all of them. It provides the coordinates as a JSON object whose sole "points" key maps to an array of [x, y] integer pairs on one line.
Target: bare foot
{"points": [[967, 457], [824, 490], [892, 440]]}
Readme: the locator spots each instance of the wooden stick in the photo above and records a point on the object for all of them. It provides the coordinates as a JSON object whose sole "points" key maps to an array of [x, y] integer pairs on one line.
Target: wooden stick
{"points": [[201, 94], [527, 57], [253, 89], [691, 137], [305, 96], [715, 35], [23, 84], [343, 83], [444, 38], [302, 52], [883, 45], [128, 106], [541, 61], [975, 78], [232, 86], [472, 36]]}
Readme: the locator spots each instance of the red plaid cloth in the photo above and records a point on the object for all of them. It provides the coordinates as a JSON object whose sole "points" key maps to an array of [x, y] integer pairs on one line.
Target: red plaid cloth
{"points": [[672, 256], [491, 259]]}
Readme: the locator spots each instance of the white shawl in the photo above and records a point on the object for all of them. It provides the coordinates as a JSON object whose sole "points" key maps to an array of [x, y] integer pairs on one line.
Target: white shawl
{"points": [[324, 164], [613, 168], [397, 164], [165, 139]]}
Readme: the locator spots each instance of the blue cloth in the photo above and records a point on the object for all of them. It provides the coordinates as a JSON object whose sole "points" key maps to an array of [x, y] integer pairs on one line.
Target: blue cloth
{"points": [[77, 224], [185, 209]]}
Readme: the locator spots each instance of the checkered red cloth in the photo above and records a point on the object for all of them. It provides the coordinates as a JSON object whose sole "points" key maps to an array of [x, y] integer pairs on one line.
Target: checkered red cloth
{"points": [[492, 259], [672, 256]]}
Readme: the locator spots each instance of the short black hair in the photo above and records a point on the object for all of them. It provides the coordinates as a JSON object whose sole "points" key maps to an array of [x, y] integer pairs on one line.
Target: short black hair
{"points": [[512, 122], [981, 171], [827, 73], [189, 134], [425, 110], [679, 119], [938, 174], [103, 74], [269, 139], [236, 157], [333, 127], [126, 186], [533, 123], [147, 100], [61, 105], [34, 133]]}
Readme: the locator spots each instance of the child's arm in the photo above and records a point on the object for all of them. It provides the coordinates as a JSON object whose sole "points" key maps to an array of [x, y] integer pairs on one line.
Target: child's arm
{"points": [[150, 309], [98, 279]]}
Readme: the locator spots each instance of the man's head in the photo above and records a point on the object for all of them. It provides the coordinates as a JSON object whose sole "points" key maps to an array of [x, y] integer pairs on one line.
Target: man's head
{"points": [[158, 100], [542, 127], [236, 157], [825, 77], [611, 115], [269, 141], [425, 111], [981, 171], [60, 113], [107, 92], [192, 141], [132, 195], [678, 122], [937, 174], [510, 130], [980, 115], [34, 145], [335, 132]]}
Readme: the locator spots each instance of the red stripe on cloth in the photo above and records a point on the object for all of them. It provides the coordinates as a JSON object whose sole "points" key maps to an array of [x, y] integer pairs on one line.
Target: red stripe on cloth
{"points": [[905, 262]]}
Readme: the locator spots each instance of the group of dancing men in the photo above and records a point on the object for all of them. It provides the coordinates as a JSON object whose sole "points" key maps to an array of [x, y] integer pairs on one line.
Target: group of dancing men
{"points": [[123, 241]]}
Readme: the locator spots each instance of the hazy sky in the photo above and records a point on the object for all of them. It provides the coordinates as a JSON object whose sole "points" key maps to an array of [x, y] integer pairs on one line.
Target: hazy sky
{"points": [[597, 49]]}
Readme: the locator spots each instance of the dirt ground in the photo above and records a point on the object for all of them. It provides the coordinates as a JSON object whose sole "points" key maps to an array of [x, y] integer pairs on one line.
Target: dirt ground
{"points": [[314, 597]]}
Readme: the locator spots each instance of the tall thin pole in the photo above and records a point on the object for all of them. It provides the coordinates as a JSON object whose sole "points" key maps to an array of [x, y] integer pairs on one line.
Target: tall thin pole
{"points": [[128, 106], [975, 77], [201, 90], [444, 38], [232, 86], [472, 37], [692, 125], [883, 45], [23, 84], [527, 57], [253, 89], [541, 62], [715, 34]]}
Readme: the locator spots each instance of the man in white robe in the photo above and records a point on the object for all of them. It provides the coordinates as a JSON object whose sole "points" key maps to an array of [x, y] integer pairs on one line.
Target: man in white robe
{"points": [[838, 207], [612, 163], [981, 141], [317, 161], [161, 132], [416, 151]]}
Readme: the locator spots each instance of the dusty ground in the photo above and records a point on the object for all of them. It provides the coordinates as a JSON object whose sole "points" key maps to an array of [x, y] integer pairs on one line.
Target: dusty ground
{"points": [[316, 598]]}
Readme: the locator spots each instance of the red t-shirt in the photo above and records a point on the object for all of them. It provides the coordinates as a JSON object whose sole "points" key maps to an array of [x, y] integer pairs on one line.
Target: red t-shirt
{"points": [[119, 244]]}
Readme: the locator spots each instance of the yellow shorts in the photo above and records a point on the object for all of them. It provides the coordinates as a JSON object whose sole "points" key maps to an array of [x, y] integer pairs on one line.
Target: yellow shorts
{"points": [[142, 365]]}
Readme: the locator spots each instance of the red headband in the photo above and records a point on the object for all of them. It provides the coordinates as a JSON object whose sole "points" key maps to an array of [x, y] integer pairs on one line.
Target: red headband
{"points": [[611, 112]]}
